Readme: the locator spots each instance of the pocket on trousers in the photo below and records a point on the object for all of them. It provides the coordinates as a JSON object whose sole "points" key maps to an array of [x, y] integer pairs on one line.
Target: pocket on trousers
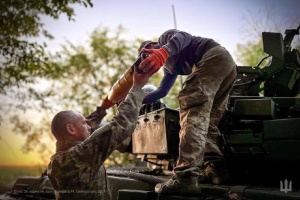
{"points": [[192, 95]]}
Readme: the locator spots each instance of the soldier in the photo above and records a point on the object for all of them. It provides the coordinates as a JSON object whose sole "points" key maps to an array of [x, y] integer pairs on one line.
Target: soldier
{"points": [[76, 170], [211, 72]]}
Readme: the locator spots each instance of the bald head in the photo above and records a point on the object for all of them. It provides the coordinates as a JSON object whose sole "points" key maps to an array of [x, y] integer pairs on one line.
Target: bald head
{"points": [[60, 121]]}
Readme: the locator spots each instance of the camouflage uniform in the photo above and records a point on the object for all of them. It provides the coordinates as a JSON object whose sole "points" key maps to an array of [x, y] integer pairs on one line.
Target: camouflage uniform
{"points": [[211, 73], [202, 100], [76, 171]]}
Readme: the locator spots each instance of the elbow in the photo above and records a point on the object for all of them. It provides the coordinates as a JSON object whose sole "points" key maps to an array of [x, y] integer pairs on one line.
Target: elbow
{"points": [[163, 94], [130, 125], [127, 132], [130, 128]]}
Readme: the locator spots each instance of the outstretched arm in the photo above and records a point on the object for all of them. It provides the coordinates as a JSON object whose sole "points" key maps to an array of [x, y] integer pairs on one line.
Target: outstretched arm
{"points": [[166, 84], [106, 139]]}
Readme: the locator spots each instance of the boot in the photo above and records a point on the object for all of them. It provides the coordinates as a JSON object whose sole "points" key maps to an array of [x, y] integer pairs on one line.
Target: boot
{"points": [[187, 186], [215, 172]]}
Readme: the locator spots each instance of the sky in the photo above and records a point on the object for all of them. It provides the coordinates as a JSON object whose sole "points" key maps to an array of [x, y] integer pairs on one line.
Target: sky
{"points": [[222, 20]]}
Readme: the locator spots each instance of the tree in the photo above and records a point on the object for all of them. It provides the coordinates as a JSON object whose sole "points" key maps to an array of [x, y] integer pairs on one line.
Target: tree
{"points": [[22, 59], [250, 52], [80, 80]]}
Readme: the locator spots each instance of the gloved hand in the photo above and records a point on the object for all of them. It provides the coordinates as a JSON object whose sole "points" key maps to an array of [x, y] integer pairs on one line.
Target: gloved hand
{"points": [[156, 59]]}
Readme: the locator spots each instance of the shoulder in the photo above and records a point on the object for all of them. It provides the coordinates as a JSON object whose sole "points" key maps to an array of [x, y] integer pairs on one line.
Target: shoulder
{"points": [[98, 133], [173, 33], [170, 32]]}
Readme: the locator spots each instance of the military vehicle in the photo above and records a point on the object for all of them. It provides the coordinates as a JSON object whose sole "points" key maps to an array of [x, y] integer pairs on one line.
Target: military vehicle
{"points": [[261, 130]]}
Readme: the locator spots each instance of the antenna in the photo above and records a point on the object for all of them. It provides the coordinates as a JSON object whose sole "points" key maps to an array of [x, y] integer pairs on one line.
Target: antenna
{"points": [[175, 26], [174, 17]]}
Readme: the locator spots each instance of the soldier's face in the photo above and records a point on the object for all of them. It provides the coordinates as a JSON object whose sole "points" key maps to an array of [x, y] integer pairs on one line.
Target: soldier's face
{"points": [[81, 128]]}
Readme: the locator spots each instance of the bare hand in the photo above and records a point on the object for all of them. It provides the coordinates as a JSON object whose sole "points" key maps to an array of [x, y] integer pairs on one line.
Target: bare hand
{"points": [[140, 79]]}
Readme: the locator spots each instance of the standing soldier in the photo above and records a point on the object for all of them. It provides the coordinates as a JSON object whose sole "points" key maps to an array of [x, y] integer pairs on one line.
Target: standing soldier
{"points": [[211, 73]]}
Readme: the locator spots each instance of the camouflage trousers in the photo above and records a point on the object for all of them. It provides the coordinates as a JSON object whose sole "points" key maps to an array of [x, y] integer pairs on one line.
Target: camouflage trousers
{"points": [[202, 101]]}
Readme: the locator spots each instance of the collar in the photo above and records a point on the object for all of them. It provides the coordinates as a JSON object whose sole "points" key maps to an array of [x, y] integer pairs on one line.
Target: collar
{"points": [[65, 145]]}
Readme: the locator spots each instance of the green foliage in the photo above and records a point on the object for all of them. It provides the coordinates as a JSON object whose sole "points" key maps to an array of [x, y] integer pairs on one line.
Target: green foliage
{"points": [[250, 53], [22, 60], [80, 79], [24, 64], [297, 43], [117, 159], [172, 98], [37, 136], [89, 72], [77, 78]]}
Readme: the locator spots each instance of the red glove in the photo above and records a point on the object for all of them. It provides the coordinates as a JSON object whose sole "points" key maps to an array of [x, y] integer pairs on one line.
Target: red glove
{"points": [[156, 59]]}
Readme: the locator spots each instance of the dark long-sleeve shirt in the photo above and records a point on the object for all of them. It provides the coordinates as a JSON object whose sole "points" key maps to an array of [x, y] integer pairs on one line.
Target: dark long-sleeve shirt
{"points": [[76, 171], [184, 51]]}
